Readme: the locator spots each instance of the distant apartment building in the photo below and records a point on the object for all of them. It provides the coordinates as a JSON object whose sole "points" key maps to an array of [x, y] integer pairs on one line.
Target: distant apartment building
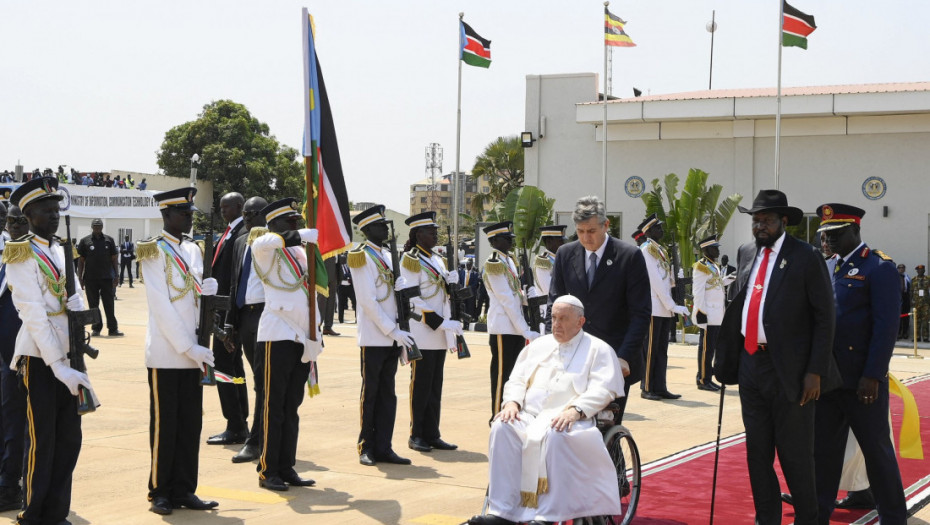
{"points": [[424, 198]]}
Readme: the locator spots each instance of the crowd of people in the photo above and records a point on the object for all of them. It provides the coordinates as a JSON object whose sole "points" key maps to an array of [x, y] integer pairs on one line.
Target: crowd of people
{"points": [[72, 176]]}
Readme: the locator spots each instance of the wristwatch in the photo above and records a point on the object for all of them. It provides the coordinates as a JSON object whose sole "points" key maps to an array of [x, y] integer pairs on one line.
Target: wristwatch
{"points": [[580, 411]]}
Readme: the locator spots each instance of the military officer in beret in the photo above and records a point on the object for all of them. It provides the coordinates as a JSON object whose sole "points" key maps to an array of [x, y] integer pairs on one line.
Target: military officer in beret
{"points": [[507, 328], [381, 340], [173, 264], [709, 290], [920, 301], [283, 340], [865, 283], [35, 274], [434, 333], [552, 237]]}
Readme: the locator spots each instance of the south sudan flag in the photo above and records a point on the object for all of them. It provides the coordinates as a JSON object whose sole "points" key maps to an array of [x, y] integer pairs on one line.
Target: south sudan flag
{"points": [[795, 27], [613, 31], [476, 51]]}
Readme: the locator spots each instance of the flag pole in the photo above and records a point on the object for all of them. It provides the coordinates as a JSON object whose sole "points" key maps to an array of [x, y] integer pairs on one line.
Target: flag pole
{"points": [[310, 248], [458, 150], [781, 29], [604, 127]]}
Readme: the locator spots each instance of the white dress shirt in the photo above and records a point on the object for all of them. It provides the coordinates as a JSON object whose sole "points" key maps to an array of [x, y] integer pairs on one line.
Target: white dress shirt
{"points": [[599, 252], [254, 291], [765, 287]]}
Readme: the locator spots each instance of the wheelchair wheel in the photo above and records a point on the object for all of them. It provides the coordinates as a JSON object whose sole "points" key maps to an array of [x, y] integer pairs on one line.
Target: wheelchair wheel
{"points": [[625, 456]]}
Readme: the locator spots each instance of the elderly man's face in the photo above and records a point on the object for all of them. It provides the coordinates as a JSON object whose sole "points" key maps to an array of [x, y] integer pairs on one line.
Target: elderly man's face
{"points": [[567, 321], [591, 233]]}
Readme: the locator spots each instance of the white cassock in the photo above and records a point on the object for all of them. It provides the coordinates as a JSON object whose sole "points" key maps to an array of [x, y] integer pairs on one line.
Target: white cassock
{"points": [[536, 472]]}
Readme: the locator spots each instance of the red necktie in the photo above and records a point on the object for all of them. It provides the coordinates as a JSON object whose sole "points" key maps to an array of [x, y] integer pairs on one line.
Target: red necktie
{"points": [[216, 252], [755, 301]]}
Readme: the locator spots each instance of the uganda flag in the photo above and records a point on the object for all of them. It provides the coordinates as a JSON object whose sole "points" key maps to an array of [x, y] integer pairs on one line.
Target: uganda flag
{"points": [[795, 27], [476, 51], [613, 31]]}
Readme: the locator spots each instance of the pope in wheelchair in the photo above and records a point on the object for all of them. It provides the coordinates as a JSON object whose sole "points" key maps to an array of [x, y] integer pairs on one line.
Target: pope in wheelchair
{"points": [[546, 456]]}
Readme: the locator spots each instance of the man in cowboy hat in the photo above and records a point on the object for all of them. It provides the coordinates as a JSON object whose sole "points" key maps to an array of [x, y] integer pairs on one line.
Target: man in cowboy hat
{"points": [[775, 342]]}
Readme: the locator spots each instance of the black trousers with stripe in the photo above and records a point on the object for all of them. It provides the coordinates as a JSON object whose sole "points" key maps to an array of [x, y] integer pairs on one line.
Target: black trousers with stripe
{"points": [[176, 418], [426, 394], [247, 329], [53, 443], [378, 401], [707, 345], [234, 398], [13, 415], [285, 379], [656, 351], [504, 352]]}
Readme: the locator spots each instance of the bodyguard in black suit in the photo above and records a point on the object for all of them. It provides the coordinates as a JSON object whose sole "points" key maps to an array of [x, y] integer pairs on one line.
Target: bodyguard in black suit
{"points": [[868, 296], [615, 293], [775, 342], [234, 398]]}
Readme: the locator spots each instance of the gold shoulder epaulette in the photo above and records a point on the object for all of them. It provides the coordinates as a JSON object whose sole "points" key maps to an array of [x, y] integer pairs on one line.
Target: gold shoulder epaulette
{"points": [[494, 267], [653, 250], [883, 255], [701, 267], [147, 249], [542, 262], [255, 233], [356, 258], [18, 251], [410, 262]]}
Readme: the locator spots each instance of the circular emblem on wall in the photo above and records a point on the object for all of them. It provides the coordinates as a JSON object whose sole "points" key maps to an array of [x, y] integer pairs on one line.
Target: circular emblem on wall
{"points": [[634, 186], [874, 188], [65, 202]]}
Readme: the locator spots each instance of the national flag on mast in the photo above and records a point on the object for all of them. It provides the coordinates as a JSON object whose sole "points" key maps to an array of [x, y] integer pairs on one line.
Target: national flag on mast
{"points": [[795, 27], [475, 51], [327, 187], [613, 31]]}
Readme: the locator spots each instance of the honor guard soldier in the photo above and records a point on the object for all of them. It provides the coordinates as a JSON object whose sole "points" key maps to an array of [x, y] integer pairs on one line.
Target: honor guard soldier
{"points": [[35, 274], [709, 290], [380, 339], [661, 280], [434, 333], [507, 328], [5, 204], [868, 296], [920, 301], [280, 260], [552, 237], [173, 265]]}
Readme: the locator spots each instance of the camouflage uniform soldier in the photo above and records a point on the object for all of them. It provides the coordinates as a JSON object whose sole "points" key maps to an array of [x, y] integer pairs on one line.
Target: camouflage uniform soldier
{"points": [[920, 299]]}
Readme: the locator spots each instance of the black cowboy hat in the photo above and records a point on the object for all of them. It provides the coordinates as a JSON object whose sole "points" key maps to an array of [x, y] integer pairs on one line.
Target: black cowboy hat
{"points": [[774, 201]]}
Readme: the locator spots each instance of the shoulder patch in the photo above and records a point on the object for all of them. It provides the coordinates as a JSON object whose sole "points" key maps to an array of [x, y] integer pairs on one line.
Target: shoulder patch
{"points": [[356, 258], [883, 255], [18, 251], [542, 262], [255, 233], [410, 262], [701, 267], [147, 249], [494, 267]]}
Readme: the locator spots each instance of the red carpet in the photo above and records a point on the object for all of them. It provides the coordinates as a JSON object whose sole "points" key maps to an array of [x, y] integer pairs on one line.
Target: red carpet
{"points": [[677, 489]]}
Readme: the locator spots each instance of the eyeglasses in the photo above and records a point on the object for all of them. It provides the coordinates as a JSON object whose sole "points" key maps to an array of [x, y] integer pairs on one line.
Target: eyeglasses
{"points": [[17, 220], [768, 222]]}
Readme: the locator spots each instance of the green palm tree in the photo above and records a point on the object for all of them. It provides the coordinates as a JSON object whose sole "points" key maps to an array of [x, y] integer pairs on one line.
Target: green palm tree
{"points": [[502, 165]]}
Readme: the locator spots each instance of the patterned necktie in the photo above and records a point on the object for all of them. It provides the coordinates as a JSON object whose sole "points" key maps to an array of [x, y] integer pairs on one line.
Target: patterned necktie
{"points": [[752, 317], [591, 269], [839, 262], [216, 252], [244, 278]]}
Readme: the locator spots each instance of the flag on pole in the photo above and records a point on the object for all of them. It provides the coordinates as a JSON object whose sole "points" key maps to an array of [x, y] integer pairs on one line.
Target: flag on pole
{"points": [[613, 31], [795, 27], [476, 51], [327, 187]]}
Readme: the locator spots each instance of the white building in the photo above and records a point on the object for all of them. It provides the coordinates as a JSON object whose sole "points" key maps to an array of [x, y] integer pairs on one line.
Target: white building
{"points": [[865, 145]]}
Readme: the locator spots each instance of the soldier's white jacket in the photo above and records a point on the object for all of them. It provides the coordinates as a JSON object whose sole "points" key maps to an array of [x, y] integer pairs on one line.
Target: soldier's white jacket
{"points": [[376, 308], [542, 271], [173, 270], [709, 293], [428, 271], [505, 305], [45, 326], [659, 267], [281, 262]]}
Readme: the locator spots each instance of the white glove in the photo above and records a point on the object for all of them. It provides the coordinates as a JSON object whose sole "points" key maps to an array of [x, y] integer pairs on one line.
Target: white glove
{"points": [[530, 335], [312, 349], [729, 279], [308, 235], [200, 355], [532, 292], [400, 283], [209, 286], [70, 377], [452, 277], [681, 273], [452, 326], [402, 338], [76, 303], [680, 309]]}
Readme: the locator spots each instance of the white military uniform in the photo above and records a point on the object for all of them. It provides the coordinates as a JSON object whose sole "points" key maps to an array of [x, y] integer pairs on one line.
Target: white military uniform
{"points": [[370, 266], [428, 271], [709, 293], [542, 271], [505, 305], [538, 473], [659, 266]]}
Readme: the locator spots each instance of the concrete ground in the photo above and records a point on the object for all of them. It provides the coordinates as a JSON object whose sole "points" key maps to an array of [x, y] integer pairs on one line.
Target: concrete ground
{"points": [[440, 488]]}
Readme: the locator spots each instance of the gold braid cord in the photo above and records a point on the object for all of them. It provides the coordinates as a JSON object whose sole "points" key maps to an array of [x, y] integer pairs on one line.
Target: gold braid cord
{"points": [[189, 282], [276, 263], [61, 294]]}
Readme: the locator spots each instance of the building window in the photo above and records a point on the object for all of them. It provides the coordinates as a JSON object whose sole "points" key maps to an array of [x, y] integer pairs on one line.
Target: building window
{"points": [[422, 210], [444, 200], [486, 189], [422, 199]]}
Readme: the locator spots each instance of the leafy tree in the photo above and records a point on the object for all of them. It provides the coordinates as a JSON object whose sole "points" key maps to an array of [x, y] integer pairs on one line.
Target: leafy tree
{"points": [[502, 164], [237, 153]]}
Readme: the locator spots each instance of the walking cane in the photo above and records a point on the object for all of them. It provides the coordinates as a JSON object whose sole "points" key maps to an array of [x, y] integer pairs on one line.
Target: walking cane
{"points": [[713, 490]]}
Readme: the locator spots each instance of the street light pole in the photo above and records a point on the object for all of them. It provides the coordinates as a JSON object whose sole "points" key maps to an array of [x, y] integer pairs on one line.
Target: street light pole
{"points": [[711, 28]]}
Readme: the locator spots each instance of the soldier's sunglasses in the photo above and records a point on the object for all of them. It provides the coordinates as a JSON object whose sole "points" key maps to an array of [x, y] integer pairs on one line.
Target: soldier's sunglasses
{"points": [[17, 220]]}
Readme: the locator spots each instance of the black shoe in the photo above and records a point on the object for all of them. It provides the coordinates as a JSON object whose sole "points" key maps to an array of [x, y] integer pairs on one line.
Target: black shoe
{"points": [[294, 480], [439, 444], [192, 502], [130, 285], [669, 395], [95, 333], [488, 519], [650, 396], [228, 438], [857, 499], [11, 498], [247, 453], [330, 331], [161, 505], [709, 387], [273, 483], [392, 457], [115, 333], [366, 458], [419, 444], [787, 498]]}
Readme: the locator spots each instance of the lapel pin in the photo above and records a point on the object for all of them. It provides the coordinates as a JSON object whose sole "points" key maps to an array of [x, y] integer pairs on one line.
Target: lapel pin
{"points": [[783, 263], [609, 262], [854, 271]]}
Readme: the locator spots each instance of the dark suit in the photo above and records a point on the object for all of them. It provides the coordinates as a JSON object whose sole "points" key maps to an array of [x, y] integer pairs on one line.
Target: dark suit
{"points": [[12, 397], [798, 317], [868, 296], [618, 305], [234, 399]]}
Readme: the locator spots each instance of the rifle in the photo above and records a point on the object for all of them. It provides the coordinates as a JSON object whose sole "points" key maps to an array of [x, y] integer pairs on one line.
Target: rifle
{"points": [[457, 296], [531, 308], [678, 290], [402, 299], [78, 338], [210, 308]]}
